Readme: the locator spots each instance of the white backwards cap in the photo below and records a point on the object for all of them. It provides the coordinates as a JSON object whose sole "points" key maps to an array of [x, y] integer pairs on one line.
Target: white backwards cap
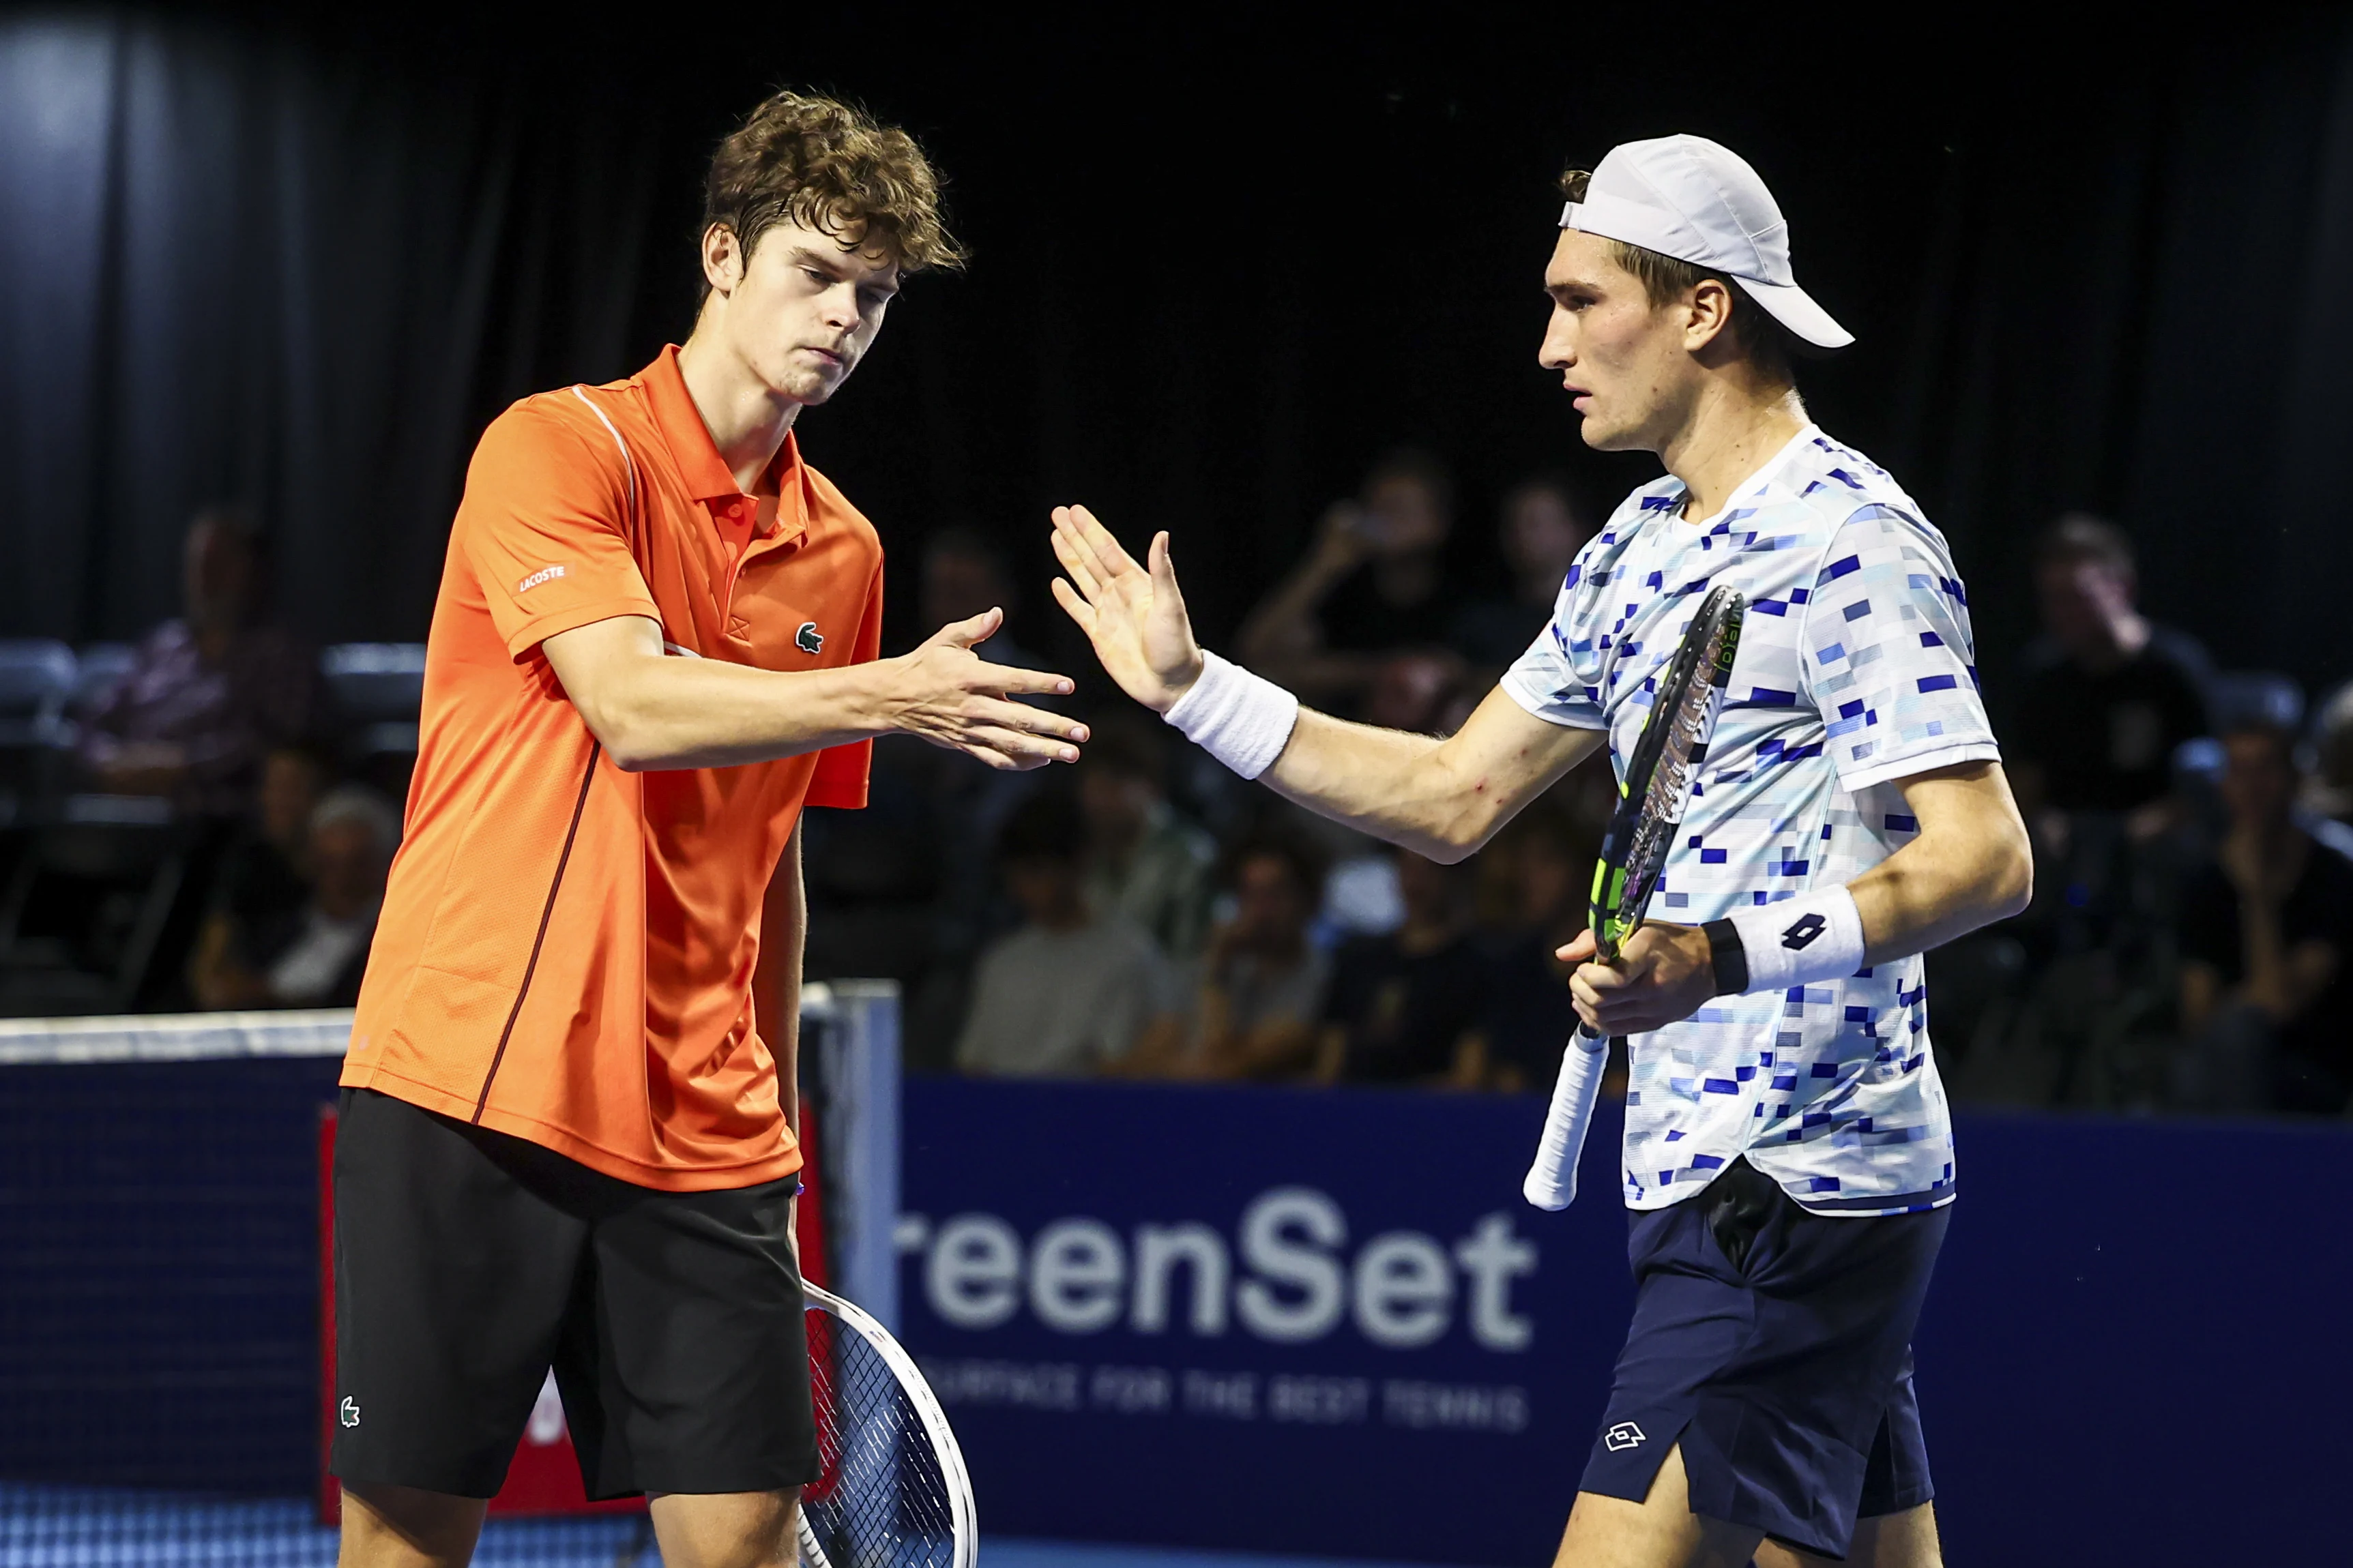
{"points": [[1692, 199]]}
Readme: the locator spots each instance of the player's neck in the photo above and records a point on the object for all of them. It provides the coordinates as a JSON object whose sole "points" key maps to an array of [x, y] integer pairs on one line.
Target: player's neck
{"points": [[1733, 430], [747, 419]]}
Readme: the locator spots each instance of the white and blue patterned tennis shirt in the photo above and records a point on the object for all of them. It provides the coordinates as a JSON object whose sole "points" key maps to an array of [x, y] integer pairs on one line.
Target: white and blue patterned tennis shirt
{"points": [[1855, 670]]}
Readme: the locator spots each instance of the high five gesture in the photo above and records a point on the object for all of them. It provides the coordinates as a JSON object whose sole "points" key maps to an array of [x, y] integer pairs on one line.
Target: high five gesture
{"points": [[1135, 616]]}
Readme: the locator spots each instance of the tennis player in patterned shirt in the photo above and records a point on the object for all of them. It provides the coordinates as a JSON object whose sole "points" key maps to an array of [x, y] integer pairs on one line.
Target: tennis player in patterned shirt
{"points": [[1789, 1160]]}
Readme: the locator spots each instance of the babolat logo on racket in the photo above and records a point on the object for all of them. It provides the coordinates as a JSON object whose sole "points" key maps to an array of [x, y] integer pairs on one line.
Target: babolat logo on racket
{"points": [[1802, 932]]}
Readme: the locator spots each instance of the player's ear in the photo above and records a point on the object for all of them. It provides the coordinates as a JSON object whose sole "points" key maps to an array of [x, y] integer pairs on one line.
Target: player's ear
{"points": [[1710, 314], [723, 258]]}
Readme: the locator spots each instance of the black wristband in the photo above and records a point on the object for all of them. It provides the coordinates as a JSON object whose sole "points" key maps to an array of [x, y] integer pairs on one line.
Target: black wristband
{"points": [[1726, 957]]}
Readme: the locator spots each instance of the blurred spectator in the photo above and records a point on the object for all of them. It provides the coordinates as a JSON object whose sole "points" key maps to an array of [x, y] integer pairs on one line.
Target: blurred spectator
{"points": [[1414, 691], [208, 693], [1070, 992], [1143, 863], [2107, 695], [262, 879], [1404, 1007], [964, 574], [2266, 998], [1540, 532], [260, 952], [1260, 1002], [1374, 582], [2329, 793], [1538, 870]]}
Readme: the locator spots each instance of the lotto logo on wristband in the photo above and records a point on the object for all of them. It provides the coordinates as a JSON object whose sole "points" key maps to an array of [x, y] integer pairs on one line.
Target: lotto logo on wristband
{"points": [[1801, 933]]}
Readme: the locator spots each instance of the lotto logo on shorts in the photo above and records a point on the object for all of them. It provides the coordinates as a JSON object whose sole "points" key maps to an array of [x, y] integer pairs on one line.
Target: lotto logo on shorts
{"points": [[1622, 1436], [544, 574]]}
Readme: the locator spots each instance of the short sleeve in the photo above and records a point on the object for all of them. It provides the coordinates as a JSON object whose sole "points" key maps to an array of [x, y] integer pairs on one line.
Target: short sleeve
{"points": [[1887, 654], [544, 526], [842, 772], [1544, 681]]}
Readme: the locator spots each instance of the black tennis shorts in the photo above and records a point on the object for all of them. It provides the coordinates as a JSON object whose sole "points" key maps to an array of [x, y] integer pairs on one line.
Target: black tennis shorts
{"points": [[468, 1263], [1775, 1344]]}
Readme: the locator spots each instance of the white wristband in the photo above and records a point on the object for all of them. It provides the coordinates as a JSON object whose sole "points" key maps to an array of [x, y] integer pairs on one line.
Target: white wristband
{"points": [[1243, 719], [1813, 937]]}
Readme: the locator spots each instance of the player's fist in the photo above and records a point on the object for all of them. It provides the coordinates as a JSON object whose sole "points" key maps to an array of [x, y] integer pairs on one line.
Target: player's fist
{"points": [[1663, 974]]}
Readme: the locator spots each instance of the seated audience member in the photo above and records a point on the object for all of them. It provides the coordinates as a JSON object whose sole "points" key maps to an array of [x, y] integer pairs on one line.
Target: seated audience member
{"points": [[1541, 530], [263, 875], [1072, 992], [312, 954], [1375, 581], [1143, 862], [2107, 695], [1404, 1007], [2267, 934], [1258, 1009], [1543, 866], [211, 692]]}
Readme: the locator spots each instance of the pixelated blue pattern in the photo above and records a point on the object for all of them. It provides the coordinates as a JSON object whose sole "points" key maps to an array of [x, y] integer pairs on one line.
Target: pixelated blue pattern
{"points": [[1857, 653]]}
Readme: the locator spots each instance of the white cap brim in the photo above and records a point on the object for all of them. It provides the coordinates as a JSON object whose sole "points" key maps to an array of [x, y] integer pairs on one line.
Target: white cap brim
{"points": [[1614, 218], [1795, 309]]}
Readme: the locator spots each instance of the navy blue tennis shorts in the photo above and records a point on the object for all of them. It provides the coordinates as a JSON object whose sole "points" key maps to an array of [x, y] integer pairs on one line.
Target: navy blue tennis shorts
{"points": [[1775, 1345]]}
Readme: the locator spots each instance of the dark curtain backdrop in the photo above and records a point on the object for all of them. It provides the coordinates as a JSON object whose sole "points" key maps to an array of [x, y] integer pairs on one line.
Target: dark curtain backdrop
{"points": [[1217, 267]]}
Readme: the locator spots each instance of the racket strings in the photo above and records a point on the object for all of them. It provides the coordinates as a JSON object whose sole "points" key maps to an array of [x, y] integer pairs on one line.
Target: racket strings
{"points": [[880, 1499]]}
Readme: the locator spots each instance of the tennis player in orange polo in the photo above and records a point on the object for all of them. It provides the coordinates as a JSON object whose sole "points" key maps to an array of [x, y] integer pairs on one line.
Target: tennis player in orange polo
{"points": [[568, 1126]]}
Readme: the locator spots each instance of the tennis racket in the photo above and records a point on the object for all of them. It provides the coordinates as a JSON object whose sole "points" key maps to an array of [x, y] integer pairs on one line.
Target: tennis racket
{"points": [[1652, 796], [892, 1492]]}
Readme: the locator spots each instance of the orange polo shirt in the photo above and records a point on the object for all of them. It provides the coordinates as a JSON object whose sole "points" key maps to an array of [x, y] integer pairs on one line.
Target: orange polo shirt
{"points": [[565, 951]]}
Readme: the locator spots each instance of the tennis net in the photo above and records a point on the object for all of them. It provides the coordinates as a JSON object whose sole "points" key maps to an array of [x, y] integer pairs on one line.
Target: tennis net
{"points": [[160, 1247]]}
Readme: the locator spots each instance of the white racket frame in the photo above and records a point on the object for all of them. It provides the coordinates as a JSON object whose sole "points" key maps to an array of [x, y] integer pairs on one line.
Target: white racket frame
{"points": [[963, 1515]]}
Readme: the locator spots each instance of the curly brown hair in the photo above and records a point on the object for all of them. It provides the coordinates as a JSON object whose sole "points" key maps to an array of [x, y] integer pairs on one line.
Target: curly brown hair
{"points": [[829, 166], [1666, 279]]}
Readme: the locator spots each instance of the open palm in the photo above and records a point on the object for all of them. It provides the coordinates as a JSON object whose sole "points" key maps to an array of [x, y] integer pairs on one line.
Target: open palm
{"points": [[1135, 616]]}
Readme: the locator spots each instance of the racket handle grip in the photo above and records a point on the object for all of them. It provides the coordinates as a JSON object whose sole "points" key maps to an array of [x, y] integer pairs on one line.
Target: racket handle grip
{"points": [[1551, 1181]]}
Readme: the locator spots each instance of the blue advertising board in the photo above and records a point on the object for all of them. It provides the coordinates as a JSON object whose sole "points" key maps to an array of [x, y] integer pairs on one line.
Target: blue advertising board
{"points": [[1290, 1320], [1269, 1319]]}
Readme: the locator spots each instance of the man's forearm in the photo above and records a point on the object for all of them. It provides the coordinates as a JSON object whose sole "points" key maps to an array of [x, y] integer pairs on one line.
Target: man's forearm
{"points": [[1969, 867], [1910, 903], [1442, 799], [1386, 782], [675, 712]]}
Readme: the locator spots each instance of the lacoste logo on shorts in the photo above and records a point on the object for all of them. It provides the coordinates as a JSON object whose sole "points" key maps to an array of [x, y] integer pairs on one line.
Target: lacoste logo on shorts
{"points": [[809, 639], [1802, 932], [1622, 1436], [348, 1412], [544, 574]]}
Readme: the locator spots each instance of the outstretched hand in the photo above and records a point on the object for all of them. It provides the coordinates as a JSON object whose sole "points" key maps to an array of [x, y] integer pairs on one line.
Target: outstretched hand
{"points": [[947, 694], [1134, 615]]}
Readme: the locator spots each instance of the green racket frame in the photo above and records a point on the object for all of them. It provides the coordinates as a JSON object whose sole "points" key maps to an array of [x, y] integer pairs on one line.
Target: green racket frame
{"points": [[1657, 785]]}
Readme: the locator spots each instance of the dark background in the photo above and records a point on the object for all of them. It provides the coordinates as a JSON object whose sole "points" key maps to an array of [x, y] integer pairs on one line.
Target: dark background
{"points": [[1219, 262]]}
